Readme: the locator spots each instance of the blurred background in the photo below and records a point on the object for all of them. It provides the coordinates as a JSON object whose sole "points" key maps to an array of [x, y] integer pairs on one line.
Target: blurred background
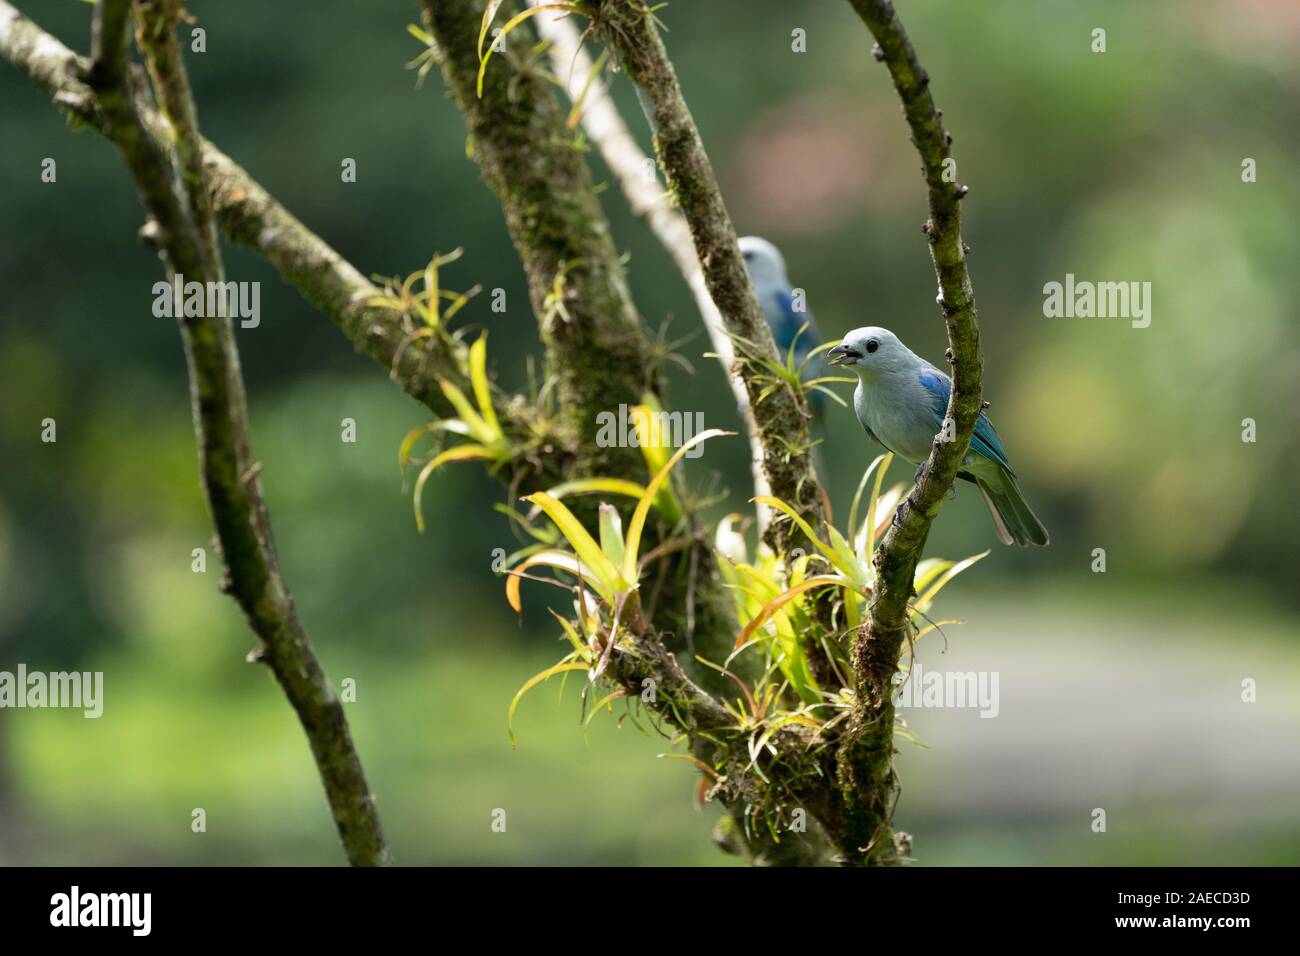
{"points": [[1120, 691]]}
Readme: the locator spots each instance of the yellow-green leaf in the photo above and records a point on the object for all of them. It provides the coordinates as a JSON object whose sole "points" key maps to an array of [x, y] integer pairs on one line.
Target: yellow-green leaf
{"points": [[468, 452], [482, 388], [924, 600], [513, 22], [862, 484], [606, 486], [533, 682], [637, 524], [489, 12], [551, 559], [465, 410], [570, 633], [653, 448], [611, 533], [452, 425], [774, 605], [927, 571], [845, 560], [689, 758], [798, 519], [610, 581]]}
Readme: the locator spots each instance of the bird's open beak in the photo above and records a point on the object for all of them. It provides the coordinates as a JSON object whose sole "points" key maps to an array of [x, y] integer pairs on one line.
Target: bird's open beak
{"points": [[841, 355]]}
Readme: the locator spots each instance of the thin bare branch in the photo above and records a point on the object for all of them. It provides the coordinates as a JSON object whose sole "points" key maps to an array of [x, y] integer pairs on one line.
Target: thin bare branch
{"points": [[230, 475], [108, 42], [156, 37]]}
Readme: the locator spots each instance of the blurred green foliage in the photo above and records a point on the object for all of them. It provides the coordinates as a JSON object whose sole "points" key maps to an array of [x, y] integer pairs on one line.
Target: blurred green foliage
{"points": [[1117, 166]]}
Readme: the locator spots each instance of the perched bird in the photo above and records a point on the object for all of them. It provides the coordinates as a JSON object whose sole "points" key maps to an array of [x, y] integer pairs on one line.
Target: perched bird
{"points": [[901, 401], [785, 317]]}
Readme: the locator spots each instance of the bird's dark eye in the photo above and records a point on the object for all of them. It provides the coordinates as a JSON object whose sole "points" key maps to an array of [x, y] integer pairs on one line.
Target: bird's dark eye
{"points": [[872, 345]]}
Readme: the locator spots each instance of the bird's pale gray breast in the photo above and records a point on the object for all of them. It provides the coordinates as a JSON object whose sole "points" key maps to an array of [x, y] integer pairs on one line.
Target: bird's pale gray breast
{"points": [[896, 411]]}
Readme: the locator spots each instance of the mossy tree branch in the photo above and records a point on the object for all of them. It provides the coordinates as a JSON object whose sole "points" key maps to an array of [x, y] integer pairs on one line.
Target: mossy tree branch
{"points": [[108, 43], [156, 22], [608, 132], [865, 759], [782, 417], [229, 472], [594, 341]]}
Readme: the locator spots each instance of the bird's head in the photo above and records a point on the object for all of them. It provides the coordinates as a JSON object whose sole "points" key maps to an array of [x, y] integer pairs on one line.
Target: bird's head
{"points": [[764, 262], [870, 349]]}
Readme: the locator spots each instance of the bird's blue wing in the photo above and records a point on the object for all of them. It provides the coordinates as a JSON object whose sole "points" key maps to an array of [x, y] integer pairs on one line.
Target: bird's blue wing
{"points": [[788, 322], [985, 441]]}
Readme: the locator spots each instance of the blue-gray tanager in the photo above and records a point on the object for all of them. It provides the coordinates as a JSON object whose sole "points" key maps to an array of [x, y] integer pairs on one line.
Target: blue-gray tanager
{"points": [[785, 314], [901, 401]]}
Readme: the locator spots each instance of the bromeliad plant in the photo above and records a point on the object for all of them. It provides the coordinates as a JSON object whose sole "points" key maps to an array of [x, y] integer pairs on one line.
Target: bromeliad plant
{"points": [[773, 601], [774, 598], [607, 603], [477, 422], [848, 566], [400, 296]]}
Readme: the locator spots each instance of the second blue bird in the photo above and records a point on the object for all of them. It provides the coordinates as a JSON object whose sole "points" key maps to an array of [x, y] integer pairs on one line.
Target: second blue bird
{"points": [[783, 307]]}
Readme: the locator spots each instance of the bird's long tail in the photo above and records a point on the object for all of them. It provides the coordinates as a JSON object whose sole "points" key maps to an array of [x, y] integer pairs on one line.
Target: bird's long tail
{"points": [[1015, 522]]}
